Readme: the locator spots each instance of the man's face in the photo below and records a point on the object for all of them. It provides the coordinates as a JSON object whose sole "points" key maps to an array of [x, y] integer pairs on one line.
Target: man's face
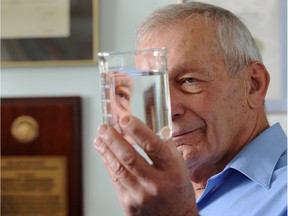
{"points": [[209, 106]]}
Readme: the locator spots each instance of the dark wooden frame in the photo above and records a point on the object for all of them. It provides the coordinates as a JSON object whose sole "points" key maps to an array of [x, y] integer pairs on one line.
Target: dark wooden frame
{"points": [[71, 148]]}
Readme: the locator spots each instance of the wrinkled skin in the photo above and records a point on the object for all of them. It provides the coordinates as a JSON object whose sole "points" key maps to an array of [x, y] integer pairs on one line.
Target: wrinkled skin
{"points": [[214, 116]]}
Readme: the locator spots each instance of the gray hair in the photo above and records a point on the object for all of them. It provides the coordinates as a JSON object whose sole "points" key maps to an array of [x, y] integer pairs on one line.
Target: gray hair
{"points": [[236, 43]]}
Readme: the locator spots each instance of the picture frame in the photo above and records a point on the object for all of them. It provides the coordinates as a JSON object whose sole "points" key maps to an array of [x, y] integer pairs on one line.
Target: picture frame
{"points": [[268, 25], [278, 102], [40, 148], [49, 38]]}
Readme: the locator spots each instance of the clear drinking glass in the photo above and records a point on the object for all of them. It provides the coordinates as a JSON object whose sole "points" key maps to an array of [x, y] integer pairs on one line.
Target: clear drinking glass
{"points": [[136, 82]]}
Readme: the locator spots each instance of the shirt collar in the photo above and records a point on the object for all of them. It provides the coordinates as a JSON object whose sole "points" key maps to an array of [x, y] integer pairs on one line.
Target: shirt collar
{"points": [[258, 159]]}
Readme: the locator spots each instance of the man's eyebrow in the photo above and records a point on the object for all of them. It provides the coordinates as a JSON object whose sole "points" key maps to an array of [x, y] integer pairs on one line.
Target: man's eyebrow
{"points": [[184, 68], [124, 83]]}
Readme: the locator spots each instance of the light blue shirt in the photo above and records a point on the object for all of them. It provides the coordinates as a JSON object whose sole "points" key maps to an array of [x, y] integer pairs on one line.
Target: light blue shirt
{"points": [[254, 183]]}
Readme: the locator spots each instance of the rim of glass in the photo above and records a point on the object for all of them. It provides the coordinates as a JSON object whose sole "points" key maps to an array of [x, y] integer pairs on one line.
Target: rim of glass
{"points": [[137, 52]]}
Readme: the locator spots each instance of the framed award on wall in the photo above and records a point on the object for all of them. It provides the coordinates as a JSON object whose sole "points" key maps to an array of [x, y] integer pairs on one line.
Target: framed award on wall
{"points": [[41, 161], [48, 33]]}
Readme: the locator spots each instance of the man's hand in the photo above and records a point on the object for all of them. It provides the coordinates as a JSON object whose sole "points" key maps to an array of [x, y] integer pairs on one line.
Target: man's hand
{"points": [[162, 188]]}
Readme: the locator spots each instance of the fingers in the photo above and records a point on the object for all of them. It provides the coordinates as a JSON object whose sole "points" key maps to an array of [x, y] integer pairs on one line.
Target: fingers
{"points": [[114, 168], [128, 184], [121, 159], [160, 152], [140, 185], [124, 161], [117, 144]]}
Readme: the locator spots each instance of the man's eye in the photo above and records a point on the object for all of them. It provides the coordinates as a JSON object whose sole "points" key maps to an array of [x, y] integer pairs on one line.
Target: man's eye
{"points": [[189, 80], [123, 99], [190, 85], [122, 95]]}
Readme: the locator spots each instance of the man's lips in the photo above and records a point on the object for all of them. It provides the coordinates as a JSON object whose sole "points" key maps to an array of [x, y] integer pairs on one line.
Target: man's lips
{"points": [[179, 137], [179, 134]]}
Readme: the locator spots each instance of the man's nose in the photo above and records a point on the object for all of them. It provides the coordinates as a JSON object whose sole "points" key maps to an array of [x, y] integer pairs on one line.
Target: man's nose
{"points": [[177, 108]]}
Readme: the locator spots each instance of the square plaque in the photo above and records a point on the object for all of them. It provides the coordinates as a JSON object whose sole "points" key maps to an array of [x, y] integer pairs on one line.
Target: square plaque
{"points": [[41, 156]]}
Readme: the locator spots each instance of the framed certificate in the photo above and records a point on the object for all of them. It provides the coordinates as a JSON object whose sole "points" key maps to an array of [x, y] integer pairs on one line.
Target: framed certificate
{"points": [[58, 32]]}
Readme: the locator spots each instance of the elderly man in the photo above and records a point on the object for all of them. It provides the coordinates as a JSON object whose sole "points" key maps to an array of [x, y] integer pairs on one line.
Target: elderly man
{"points": [[234, 162]]}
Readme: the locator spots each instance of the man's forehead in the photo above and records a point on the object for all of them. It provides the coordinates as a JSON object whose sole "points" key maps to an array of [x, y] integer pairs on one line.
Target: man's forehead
{"points": [[184, 31]]}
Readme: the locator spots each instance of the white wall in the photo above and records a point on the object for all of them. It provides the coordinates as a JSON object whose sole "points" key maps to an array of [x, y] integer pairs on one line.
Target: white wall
{"points": [[118, 21]]}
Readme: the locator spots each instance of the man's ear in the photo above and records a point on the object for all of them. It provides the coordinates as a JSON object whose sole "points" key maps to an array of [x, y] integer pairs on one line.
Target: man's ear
{"points": [[258, 81]]}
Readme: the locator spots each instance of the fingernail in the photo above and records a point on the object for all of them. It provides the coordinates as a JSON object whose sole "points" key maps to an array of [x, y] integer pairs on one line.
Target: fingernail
{"points": [[97, 142], [125, 120], [101, 130]]}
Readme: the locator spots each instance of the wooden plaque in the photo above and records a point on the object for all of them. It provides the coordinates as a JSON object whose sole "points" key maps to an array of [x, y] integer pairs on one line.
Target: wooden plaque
{"points": [[41, 156]]}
